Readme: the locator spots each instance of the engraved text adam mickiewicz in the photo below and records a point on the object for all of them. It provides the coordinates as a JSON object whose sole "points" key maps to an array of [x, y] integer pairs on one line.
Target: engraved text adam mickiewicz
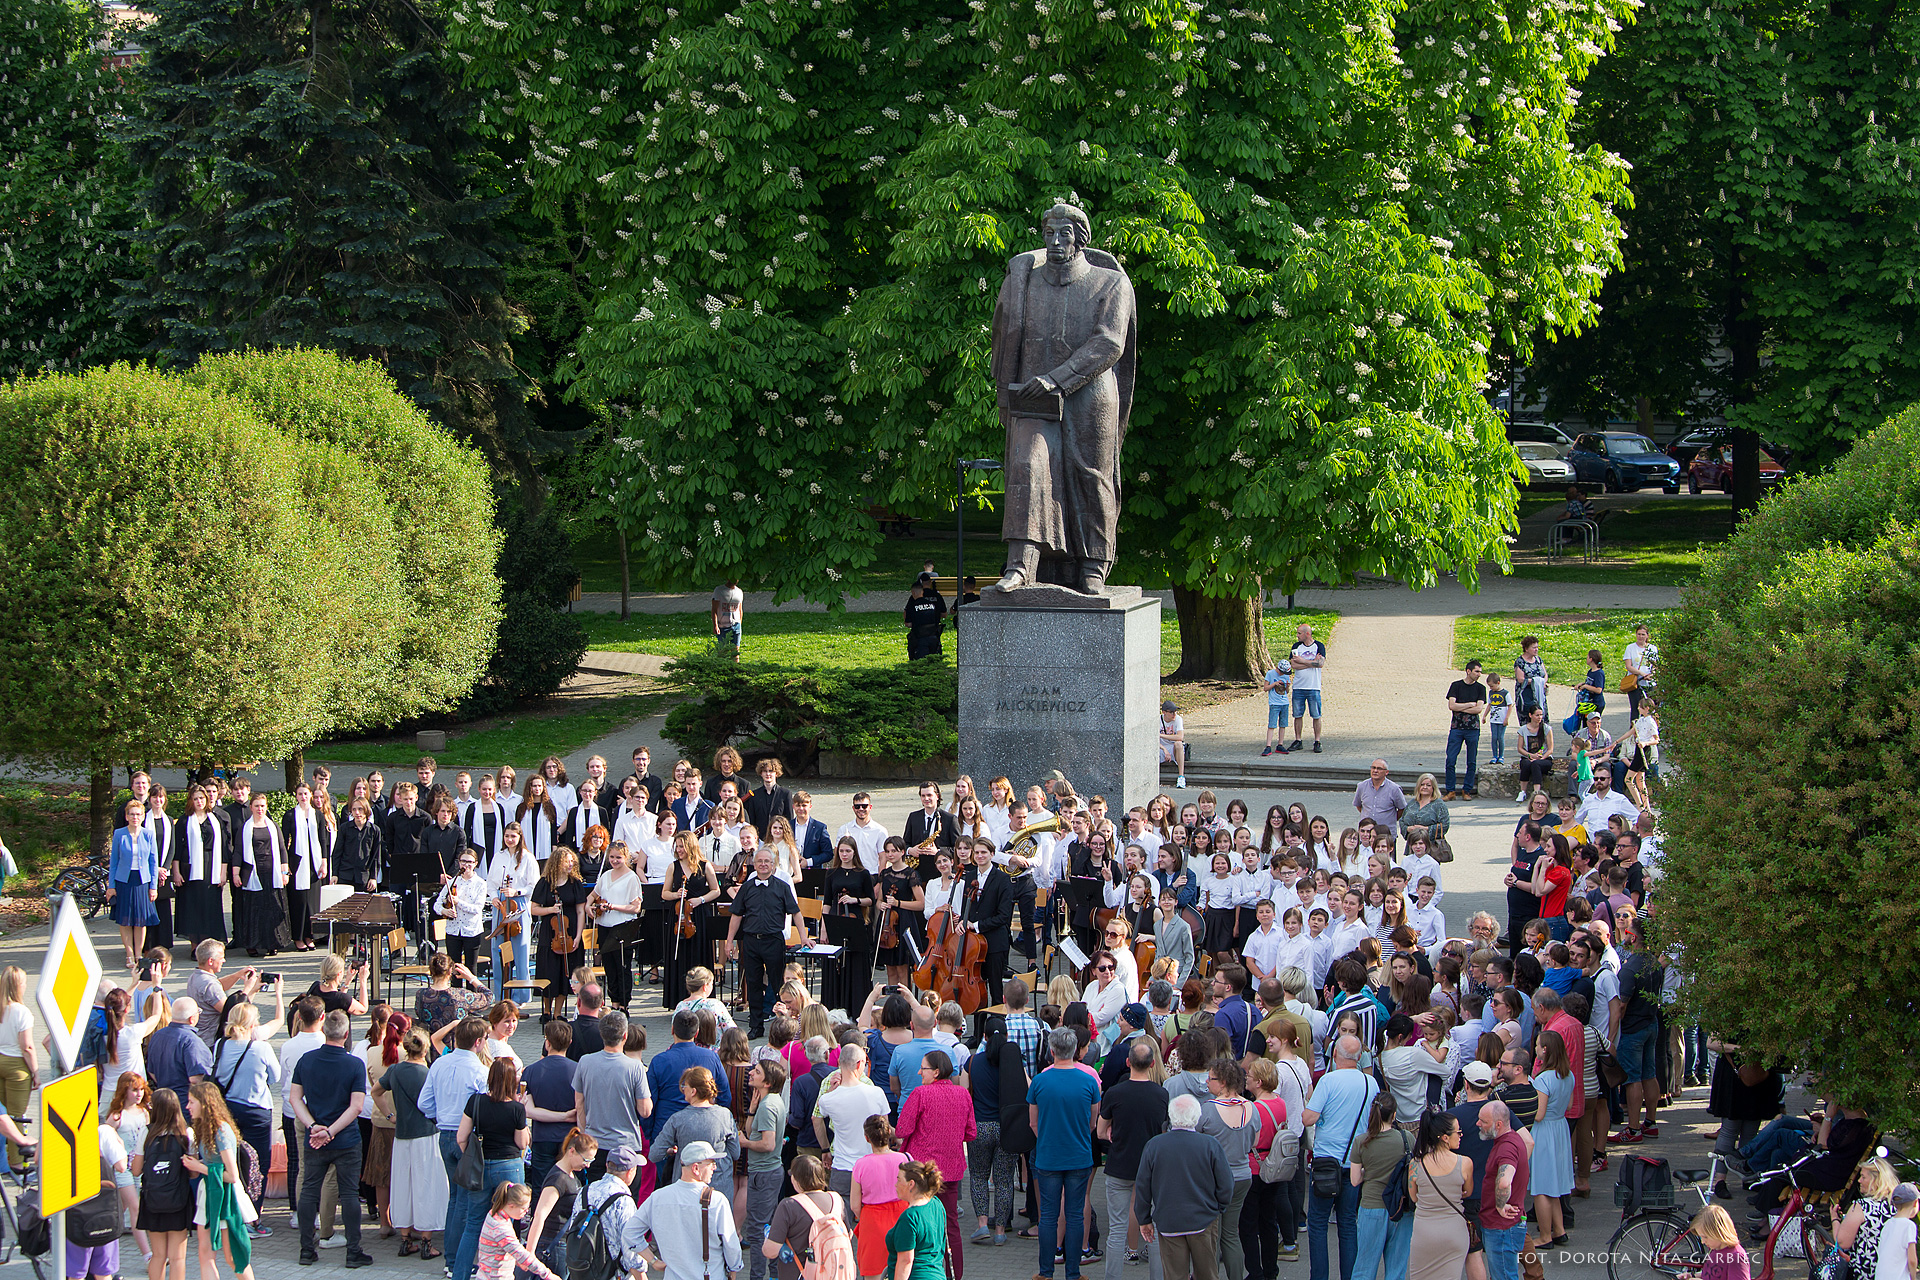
{"points": [[1042, 699]]}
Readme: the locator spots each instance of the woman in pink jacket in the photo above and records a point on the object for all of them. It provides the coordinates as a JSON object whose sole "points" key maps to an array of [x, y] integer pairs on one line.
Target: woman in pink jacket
{"points": [[936, 1123]]}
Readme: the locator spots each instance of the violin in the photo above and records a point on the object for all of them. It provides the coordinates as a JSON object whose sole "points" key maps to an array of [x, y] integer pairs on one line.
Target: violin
{"points": [[509, 927], [564, 943], [683, 921]]}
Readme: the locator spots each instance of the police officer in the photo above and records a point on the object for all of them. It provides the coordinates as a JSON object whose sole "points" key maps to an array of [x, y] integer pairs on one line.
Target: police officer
{"points": [[926, 611], [761, 910]]}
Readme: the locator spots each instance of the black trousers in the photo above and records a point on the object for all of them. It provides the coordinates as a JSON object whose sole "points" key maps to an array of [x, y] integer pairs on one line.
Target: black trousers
{"points": [[763, 961], [996, 974], [1534, 772], [290, 1128], [465, 951], [616, 957], [346, 1160]]}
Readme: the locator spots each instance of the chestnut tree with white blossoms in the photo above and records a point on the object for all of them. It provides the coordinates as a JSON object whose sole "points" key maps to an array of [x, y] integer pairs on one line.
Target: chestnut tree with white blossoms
{"points": [[800, 210]]}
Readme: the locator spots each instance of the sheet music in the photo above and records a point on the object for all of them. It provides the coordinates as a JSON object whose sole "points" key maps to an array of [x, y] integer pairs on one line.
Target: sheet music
{"points": [[1072, 951], [820, 949]]}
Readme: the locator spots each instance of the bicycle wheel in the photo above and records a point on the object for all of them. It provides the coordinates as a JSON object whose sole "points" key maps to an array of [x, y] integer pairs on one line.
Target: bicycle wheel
{"points": [[1653, 1245], [1814, 1241]]}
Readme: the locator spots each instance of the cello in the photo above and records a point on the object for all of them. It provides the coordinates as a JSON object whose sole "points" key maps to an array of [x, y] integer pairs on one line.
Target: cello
{"points": [[937, 968]]}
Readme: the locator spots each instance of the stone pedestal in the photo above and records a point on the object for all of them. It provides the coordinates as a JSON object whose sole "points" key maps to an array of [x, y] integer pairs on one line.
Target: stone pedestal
{"points": [[1052, 680]]}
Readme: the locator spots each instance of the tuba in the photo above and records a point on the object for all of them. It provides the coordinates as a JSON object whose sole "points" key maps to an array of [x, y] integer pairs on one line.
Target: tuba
{"points": [[1024, 840]]}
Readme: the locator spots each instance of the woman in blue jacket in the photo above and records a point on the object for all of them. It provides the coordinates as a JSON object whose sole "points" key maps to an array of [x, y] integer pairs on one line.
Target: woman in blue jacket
{"points": [[135, 874]]}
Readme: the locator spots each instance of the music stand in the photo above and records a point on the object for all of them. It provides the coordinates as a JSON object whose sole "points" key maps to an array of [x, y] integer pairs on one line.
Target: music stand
{"points": [[650, 898]]}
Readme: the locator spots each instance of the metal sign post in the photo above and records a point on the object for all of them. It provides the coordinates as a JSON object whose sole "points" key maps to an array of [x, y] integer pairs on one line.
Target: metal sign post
{"points": [[69, 1145]]}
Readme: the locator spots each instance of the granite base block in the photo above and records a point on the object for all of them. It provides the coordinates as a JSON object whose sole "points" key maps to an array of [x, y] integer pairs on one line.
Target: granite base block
{"points": [[1073, 689]]}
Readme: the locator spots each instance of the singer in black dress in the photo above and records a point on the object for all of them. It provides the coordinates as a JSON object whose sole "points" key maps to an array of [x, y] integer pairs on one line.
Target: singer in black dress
{"points": [[560, 890], [201, 853], [695, 878], [848, 899]]}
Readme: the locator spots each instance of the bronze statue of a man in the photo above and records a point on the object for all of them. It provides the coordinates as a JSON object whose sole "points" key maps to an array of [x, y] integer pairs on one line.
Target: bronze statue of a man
{"points": [[1065, 334]]}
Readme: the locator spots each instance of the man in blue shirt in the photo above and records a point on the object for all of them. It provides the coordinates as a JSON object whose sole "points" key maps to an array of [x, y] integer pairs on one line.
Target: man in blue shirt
{"points": [[451, 1080], [329, 1088], [176, 1056], [903, 1068], [1063, 1104], [1235, 1015], [1337, 1111], [663, 1074]]}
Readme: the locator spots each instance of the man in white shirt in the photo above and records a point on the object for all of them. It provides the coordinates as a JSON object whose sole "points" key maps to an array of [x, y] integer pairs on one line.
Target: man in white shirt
{"points": [[1173, 743], [1139, 833], [867, 835], [1307, 658], [305, 1019], [635, 825], [846, 1100], [1603, 802]]}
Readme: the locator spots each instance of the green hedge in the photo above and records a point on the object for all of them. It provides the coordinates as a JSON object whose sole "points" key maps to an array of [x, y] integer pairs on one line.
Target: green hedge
{"points": [[905, 712]]}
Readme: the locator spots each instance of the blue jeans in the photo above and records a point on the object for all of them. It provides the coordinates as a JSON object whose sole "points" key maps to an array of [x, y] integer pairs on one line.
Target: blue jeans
{"points": [[1381, 1236], [1345, 1207], [1054, 1183], [1470, 737], [1499, 742], [466, 1213], [727, 640], [518, 948], [1503, 1250], [1782, 1140]]}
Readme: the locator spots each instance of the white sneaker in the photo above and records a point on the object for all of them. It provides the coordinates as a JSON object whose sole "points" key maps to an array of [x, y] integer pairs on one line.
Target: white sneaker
{"points": [[1521, 798], [334, 1242], [1180, 783]]}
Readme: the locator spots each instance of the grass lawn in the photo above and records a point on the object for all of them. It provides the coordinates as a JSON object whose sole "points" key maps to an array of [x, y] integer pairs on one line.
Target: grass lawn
{"points": [[1565, 637], [44, 824], [1664, 541], [522, 740], [855, 640]]}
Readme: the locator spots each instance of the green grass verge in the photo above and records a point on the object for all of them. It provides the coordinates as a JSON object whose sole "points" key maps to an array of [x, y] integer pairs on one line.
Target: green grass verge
{"points": [[1665, 541], [853, 640], [521, 740], [1565, 637], [45, 826]]}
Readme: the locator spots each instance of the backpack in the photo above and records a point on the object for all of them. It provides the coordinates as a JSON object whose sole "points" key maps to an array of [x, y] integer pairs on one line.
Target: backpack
{"points": [[829, 1242], [93, 1043], [166, 1186], [96, 1221], [1643, 1181], [590, 1255], [1282, 1158], [1394, 1195]]}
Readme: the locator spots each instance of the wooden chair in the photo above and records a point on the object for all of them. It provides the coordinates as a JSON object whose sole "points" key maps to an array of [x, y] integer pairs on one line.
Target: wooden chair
{"points": [[529, 985], [813, 913]]}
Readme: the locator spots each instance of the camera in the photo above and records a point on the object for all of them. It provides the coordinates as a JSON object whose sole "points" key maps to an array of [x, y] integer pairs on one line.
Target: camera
{"points": [[269, 979]]}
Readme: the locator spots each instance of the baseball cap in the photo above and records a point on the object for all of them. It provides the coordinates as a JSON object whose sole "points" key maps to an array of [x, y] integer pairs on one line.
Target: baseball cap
{"points": [[1168, 705], [1477, 1074], [1906, 1193], [695, 1152], [1136, 1014], [623, 1158]]}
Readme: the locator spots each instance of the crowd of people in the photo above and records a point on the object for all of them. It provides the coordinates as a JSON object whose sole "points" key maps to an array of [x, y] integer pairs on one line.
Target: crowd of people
{"points": [[1260, 1030]]}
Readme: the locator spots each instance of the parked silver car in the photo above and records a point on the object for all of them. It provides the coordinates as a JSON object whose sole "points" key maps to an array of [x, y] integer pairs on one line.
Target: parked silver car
{"points": [[1545, 468]]}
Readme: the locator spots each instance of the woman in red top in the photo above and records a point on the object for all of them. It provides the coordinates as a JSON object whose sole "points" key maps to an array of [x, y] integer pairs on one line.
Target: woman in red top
{"points": [[1552, 878], [1260, 1218], [936, 1123]]}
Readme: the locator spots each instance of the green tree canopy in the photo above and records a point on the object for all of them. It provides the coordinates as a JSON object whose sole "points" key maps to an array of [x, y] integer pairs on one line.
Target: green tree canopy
{"points": [[800, 216], [179, 583], [1772, 256], [428, 540], [308, 178], [1791, 696], [65, 191]]}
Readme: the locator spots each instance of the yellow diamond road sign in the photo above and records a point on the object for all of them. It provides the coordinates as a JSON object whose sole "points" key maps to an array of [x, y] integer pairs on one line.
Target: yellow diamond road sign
{"points": [[69, 976]]}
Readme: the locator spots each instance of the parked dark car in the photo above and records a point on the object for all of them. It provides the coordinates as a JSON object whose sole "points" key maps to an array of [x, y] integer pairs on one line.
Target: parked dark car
{"points": [[1622, 461], [1683, 449], [1712, 468]]}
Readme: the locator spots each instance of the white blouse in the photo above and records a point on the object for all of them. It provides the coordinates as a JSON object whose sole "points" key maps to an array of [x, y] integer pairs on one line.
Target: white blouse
{"points": [[624, 887], [467, 895]]}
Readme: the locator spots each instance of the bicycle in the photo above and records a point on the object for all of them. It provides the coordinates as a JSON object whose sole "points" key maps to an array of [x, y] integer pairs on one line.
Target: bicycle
{"points": [[1657, 1242], [88, 884]]}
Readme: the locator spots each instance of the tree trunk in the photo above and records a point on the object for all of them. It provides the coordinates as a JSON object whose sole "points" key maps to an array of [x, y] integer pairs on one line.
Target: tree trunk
{"points": [[295, 768], [1220, 639], [1743, 340], [1643, 409], [626, 582], [100, 809]]}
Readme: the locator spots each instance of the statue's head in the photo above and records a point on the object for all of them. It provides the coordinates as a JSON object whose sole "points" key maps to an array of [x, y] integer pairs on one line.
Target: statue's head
{"points": [[1067, 232]]}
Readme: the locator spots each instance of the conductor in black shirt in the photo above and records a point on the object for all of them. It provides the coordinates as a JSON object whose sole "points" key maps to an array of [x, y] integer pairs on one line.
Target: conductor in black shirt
{"points": [[761, 911], [586, 1027], [649, 781], [930, 821], [990, 913]]}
